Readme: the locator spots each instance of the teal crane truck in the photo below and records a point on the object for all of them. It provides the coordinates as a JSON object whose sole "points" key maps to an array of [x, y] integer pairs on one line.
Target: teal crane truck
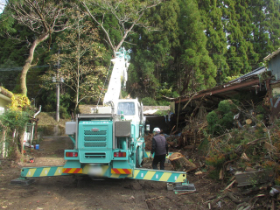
{"points": [[109, 142]]}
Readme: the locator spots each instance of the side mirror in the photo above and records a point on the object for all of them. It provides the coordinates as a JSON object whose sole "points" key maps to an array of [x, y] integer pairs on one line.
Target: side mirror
{"points": [[147, 127]]}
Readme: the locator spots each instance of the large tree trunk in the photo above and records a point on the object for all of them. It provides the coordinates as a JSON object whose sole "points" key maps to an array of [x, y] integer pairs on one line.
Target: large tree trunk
{"points": [[29, 61], [180, 163], [3, 140]]}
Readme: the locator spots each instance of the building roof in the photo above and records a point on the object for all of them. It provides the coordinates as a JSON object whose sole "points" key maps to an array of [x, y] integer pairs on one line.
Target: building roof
{"points": [[246, 82], [267, 58]]}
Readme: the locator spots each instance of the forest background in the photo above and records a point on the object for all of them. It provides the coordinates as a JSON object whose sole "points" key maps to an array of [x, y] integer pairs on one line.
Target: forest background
{"points": [[177, 47]]}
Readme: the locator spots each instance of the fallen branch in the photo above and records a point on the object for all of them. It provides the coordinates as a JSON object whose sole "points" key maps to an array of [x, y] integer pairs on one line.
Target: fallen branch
{"points": [[230, 185], [244, 206], [185, 193], [151, 199], [256, 140], [227, 194]]}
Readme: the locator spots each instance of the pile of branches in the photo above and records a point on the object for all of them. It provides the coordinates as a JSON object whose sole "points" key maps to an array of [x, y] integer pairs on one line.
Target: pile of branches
{"points": [[246, 159]]}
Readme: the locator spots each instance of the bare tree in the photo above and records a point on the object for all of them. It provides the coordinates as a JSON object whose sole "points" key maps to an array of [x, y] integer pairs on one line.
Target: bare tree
{"points": [[43, 18], [127, 12], [79, 52]]}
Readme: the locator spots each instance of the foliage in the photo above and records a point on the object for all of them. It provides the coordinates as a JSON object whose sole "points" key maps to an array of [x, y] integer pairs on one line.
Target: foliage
{"points": [[216, 160], [81, 69], [256, 146], [19, 102], [42, 18], [9, 121], [14, 120], [197, 68], [148, 101], [123, 14], [64, 114], [222, 118], [177, 46], [229, 78], [162, 112]]}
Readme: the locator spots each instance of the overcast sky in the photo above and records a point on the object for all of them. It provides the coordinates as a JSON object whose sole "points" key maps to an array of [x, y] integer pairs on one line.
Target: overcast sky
{"points": [[2, 3]]}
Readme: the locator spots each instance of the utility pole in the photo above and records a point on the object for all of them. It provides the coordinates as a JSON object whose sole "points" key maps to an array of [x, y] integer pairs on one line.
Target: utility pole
{"points": [[57, 90], [57, 100]]}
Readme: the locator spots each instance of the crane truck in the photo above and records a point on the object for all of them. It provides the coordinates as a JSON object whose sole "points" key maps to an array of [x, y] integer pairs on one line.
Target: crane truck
{"points": [[109, 142]]}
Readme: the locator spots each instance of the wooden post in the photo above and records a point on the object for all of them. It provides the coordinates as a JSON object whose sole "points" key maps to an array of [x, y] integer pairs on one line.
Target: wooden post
{"points": [[178, 114]]}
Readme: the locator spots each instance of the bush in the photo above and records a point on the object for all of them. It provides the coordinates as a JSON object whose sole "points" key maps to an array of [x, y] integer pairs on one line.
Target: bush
{"points": [[222, 118], [148, 101], [63, 113]]}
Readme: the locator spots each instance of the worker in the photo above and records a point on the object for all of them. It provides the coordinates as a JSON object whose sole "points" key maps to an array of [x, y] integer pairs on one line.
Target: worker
{"points": [[160, 148]]}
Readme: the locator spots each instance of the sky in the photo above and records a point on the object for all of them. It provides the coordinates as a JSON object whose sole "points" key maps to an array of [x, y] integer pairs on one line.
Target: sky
{"points": [[2, 3]]}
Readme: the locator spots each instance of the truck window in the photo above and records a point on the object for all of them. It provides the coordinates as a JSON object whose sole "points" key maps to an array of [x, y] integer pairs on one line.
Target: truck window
{"points": [[127, 108]]}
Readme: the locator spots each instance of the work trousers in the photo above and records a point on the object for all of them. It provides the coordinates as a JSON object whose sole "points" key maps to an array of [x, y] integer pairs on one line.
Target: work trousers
{"points": [[159, 159]]}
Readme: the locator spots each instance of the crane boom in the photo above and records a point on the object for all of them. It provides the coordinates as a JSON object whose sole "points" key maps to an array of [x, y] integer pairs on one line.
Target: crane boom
{"points": [[119, 73]]}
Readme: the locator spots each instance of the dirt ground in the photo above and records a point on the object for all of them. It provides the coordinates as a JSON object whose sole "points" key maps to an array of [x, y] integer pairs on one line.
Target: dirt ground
{"points": [[64, 193]]}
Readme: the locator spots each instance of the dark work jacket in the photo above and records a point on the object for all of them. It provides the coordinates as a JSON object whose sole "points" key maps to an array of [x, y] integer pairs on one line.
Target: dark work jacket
{"points": [[159, 145]]}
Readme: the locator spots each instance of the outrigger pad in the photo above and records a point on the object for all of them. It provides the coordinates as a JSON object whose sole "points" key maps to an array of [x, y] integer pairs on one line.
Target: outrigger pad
{"points": [[181, 187], [184, 187], [22, 181]]}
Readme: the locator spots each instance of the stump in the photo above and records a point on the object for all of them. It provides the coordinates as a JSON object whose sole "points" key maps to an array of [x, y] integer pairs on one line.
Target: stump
{"points": [[180, 163]]}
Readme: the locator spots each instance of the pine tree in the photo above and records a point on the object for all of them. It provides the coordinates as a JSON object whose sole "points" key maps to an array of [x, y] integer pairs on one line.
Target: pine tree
{"points": [[151, 63], [266, 20], [196, 69], [211, 12]]}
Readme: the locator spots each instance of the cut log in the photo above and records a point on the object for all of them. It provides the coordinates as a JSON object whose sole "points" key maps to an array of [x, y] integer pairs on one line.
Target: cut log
{"points": [[253, 177], [180, 163]]}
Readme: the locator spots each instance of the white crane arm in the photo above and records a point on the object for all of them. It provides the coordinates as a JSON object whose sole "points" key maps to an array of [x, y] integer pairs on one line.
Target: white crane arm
{"points": [[119, 73]]}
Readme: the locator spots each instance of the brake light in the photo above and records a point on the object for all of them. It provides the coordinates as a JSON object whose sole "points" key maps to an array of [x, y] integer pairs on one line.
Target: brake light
{"points": [[119, 154], [71, 154]]}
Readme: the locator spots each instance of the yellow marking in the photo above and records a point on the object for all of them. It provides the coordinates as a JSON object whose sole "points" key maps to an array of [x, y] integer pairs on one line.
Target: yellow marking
{"points": [[165, 177], [72, 170], [113, 172], [180, 178], [45, 172], [58, 171], [136, 173], [104, 169], [121, 171], [31, 172], [115, 175], [149, 175], [86, 169]]}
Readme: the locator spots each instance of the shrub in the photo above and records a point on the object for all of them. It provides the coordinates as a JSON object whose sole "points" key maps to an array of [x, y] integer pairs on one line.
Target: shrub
{"points": [[63, 113], [148, 101], [222, 118]]}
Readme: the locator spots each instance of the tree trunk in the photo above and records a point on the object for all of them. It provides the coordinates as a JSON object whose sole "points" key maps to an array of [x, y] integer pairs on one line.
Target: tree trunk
{"points": [[180, 163], [3, 140], [29, 61]]}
